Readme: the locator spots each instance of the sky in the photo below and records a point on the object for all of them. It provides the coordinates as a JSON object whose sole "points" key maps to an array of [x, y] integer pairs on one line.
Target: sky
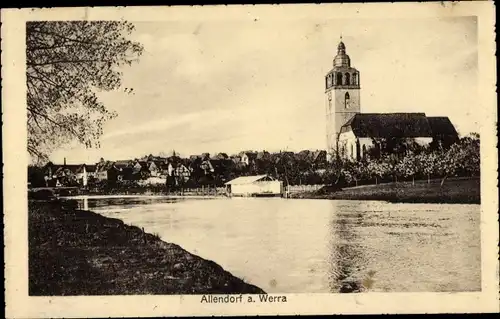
{"points": [[234, 85]]}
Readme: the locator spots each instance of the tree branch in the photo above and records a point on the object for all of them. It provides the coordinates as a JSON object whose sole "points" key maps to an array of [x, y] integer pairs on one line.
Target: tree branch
{"points": [[66, 38], [69, 61]]}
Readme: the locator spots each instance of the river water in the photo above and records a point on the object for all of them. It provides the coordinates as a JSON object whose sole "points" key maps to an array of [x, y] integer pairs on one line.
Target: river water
{"points": [[302, 246]]}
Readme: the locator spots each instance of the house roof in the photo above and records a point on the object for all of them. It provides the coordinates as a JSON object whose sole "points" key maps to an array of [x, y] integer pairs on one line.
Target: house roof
{"points": [[104, 166], [158, 163], [52, 166], [316, 155], [71, 167], [303, 155], [247, 179], [143, 164], [155, 163], [122, 163], [250, 155], [88, 168], [441, 126], [386, 125], [263, 155], [173, 158]]}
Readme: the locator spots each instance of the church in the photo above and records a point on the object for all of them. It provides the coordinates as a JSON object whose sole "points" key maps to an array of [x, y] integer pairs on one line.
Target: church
{"points": [[351, 133]]}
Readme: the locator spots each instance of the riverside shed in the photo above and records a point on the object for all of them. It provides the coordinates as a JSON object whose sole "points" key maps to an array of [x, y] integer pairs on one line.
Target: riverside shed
{"points": [[258, 185]]}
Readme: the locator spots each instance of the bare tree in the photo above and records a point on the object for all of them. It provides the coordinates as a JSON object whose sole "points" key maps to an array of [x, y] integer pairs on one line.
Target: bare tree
{"points": [[67, 63]]}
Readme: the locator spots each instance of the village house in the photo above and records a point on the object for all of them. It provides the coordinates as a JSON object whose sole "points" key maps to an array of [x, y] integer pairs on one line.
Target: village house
{"points": [[84, 173], [207, 167], [124, 169], [304, 155], [284, 156], [316, 159], [263, 156], [221, 156], [193, 158], [248, 158], [154, 168], [140, 170], [163, 169], [106, 171], [235, 158], [177, 174], [319, 159], [61, 174]]}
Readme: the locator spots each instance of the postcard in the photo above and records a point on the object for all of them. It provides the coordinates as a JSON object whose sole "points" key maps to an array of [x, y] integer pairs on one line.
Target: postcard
{"points": [[250, 160]]}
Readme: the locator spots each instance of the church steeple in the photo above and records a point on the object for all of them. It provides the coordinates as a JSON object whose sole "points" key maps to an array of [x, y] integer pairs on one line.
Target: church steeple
{"points": [[342, 92], [341, 59]]}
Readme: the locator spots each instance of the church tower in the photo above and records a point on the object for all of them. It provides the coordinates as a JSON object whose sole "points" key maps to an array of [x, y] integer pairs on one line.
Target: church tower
{"points": [[341, 95]]}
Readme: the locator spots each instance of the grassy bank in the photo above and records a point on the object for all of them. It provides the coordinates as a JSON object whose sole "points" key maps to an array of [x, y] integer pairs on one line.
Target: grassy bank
{"points": [[74, 252], [459, 190]]}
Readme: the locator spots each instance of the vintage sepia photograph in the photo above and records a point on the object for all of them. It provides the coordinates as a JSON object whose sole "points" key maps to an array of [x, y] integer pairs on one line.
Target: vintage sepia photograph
{"points": [[244, 159]]}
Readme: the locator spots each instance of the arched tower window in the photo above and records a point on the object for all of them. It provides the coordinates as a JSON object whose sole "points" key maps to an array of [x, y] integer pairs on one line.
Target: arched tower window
{"points": [[339, 79], [364, 151], [346, 100], [354, 79], [347, 79]]}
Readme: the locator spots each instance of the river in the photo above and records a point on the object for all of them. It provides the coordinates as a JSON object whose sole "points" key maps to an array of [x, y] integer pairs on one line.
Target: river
{"points": [[304, 246]]}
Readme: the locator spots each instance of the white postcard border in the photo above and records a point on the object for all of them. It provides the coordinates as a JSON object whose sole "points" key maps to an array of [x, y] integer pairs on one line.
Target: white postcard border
{"points": [[15, 158]]}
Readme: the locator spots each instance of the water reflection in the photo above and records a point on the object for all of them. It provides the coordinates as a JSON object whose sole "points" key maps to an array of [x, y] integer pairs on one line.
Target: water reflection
{"points": [[286, 246], [346, 256]]}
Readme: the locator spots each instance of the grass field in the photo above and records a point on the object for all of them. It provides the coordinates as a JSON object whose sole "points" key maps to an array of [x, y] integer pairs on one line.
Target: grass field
{"points": [[74, 252], [457, 190]]}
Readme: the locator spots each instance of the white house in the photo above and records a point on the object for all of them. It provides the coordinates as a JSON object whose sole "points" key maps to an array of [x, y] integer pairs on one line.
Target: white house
{"points": [[259, 185], [247, 157], [154, 169], [84, 172]]}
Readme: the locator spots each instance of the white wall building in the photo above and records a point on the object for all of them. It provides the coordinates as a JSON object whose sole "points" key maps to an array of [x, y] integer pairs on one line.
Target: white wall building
{"points": [[357, 136], [259, 185]]}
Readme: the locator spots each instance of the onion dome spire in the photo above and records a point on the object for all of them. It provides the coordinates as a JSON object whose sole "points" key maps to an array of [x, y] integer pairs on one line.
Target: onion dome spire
{"points": [[341, 59]]}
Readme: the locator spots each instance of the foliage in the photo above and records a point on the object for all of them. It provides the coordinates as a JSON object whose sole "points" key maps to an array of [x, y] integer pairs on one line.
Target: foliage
{"points": [[377, 169], [67, 63], [461, 159], [36, 176]]}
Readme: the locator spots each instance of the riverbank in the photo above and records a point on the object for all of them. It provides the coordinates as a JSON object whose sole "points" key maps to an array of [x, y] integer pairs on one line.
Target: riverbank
{"points": [[143, 196], [76, 252], [453, 191]]}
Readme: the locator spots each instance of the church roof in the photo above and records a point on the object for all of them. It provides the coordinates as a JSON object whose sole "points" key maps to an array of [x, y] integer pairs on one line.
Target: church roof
{"points": [[441, 126], [386, 125]]}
